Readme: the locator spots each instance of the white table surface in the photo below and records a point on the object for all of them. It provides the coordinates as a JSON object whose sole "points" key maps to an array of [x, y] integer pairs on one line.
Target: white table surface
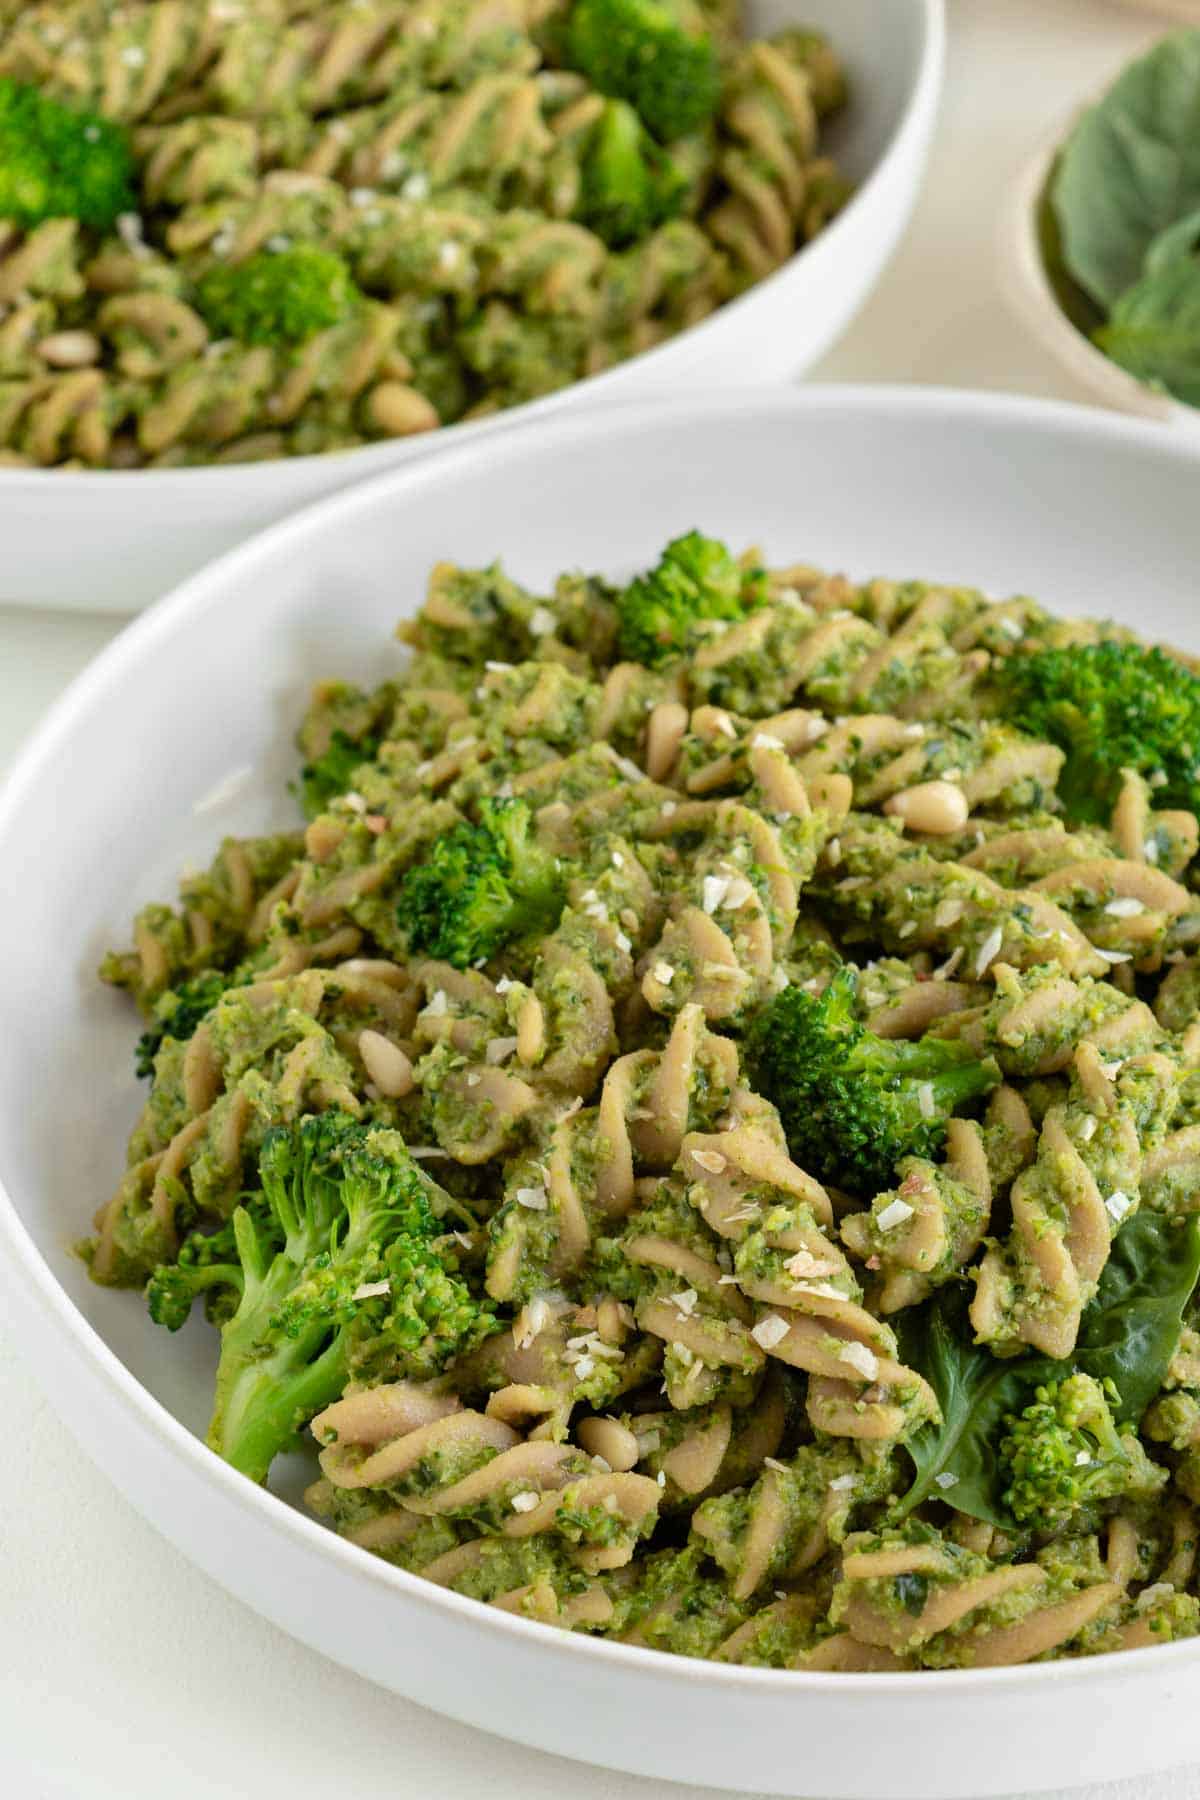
{"points": [[123, 1671]]}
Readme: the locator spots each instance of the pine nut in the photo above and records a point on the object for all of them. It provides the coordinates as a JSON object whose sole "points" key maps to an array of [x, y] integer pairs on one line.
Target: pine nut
{"points": [[386, 1064], [611, 1440], [531, 1031], [69, 349], [399, 410], [936, 807], [664, 734]]}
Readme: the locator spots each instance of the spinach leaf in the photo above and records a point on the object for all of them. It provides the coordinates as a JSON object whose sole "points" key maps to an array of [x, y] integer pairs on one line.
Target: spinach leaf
{"points": [[1175, 242], [1154, 330], [1079, 307], [1128, 1333], [976, 1392], [1130, 168]]}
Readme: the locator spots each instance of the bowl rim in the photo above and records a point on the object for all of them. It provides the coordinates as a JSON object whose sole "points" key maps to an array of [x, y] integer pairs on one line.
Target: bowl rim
{"points": [[31, 1279], [918, 109]]}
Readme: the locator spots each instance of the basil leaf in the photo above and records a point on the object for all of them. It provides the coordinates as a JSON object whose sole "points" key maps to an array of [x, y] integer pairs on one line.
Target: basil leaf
{"points": [[1128, 1334], [1154, 331], [1130, 168]]}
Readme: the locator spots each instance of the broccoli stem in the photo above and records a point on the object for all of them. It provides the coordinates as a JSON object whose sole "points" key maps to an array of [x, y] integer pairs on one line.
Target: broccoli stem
{"points": [[262, 1403], [263, 1397]]}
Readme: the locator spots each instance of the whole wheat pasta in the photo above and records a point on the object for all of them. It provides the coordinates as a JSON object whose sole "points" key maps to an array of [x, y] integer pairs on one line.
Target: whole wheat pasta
{"points": [[442, 153], [733, 1395]]}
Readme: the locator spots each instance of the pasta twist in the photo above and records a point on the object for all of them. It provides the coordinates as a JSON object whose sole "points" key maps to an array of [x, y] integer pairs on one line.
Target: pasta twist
{"points": [[584, 1176], [44, 261], [208, 1110], [972, 1613], [810, 1313], [464, 1465], [342, 56], [908, 899], [927, 1230], [1070, 1203], [702, 1450], [224, 912], [56, 418], [790, 1516], [199, 159], [139, 62], [770, 122], [491, 134], [121, 61], [1036, 1017]]}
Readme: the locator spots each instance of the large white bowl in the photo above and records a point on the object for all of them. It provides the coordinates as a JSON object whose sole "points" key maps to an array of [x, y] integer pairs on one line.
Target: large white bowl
{"points": [[113, 541], [1087, 511]]}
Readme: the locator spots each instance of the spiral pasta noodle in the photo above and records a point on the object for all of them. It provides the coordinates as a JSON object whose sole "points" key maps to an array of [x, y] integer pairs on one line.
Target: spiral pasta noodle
{"points": [[1068, 1205]]}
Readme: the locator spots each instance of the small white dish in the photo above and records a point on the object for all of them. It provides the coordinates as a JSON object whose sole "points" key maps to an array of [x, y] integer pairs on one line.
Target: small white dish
{"points": [[113, 541], [1029, 291], [1085, 510]]}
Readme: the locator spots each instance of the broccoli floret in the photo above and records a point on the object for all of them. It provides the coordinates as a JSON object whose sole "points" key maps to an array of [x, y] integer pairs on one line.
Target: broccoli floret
{"points": [[638, 50], [329, 775], [177, 1014], [1110, 706], [207, 1264], [481, 887], [695, 579], [629, 184], [277, 297], [347, 1223], [1064, 1454], [852, 1104], [56, 163]]}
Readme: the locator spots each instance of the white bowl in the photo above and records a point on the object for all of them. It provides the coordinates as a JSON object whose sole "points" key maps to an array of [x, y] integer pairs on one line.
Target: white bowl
{"points": [[1028, 290], [114, 541], [1084, 510]]}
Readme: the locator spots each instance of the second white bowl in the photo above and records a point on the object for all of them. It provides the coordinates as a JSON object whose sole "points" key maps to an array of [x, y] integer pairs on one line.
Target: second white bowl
{"points": [[113, 541]]}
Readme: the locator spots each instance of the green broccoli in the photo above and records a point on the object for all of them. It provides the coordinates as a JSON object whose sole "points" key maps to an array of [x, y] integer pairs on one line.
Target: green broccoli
{"points": [[329, 775], [1063, 1454], [57, 163], [480, 887], [696, 579], [641, 51], [629, 184], [277, 297], [207, 1264], [1111, 706], [342, 1258], [177, 1014], [852, 1104]]}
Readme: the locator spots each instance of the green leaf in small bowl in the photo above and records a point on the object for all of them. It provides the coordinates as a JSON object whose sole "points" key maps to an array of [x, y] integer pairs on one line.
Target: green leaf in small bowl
{"points": [[1154, 330], [1130, 168]]}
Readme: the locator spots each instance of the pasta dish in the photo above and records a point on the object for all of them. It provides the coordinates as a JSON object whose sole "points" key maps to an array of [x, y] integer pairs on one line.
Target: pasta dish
{"points": [[233, 231], [699, 1131]]}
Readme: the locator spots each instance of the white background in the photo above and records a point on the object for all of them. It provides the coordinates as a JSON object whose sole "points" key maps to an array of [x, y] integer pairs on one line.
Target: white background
{"points": [[124, 1672]]}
